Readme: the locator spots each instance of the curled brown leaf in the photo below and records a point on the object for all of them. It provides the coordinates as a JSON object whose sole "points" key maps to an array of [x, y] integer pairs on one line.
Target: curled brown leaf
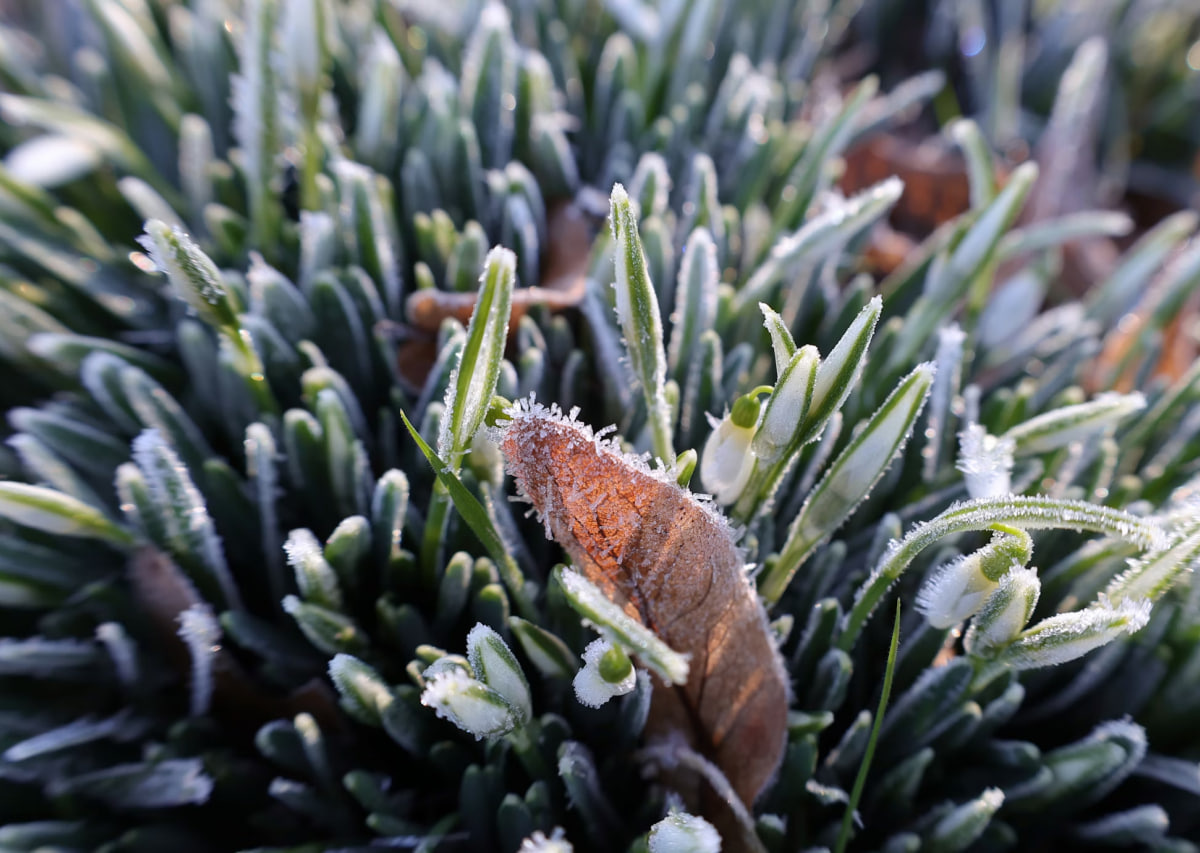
{"points": [[671, 562], [563, 285]]}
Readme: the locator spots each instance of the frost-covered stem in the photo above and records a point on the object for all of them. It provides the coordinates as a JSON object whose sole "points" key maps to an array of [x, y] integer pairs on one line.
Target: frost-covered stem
{"points": [[1026, 513]]}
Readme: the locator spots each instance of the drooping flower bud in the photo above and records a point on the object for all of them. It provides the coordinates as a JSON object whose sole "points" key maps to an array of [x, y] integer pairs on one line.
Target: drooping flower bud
{"points": [[728, 461], [1005, 613], [607, 672], [680, 832]]}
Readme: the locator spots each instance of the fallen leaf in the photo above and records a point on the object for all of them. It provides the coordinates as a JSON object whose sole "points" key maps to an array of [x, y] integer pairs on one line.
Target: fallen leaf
{"points": [[671, 562]]}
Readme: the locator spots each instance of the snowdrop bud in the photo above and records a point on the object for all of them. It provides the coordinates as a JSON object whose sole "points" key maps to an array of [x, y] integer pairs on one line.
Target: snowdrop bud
{"points": [[957, 589], [469, 704], [954, 592], [607, 672], [1069, 636], [787, 406], [494, 664], [986, 462], [680, 832], [728, 461], [1005, 612]]}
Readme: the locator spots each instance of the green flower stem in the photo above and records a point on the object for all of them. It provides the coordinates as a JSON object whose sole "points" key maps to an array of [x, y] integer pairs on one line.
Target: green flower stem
{"points": [[1026, 513]]}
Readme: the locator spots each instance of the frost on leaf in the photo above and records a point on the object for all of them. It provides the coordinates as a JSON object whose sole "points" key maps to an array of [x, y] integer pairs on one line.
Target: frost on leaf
{"points": [[670, 562]]}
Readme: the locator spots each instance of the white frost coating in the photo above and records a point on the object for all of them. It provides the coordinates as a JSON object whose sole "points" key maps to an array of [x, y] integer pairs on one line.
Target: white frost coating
{"points": [[314, 576], [986, 462], [652, 169], [591, 688], [954, 591], [637, 313], [495, 666], [964, 824], [782, 344], [199, 630], [467, 405], [1006, 611], [727, 461], [189, 527], [539, 843], [680, 832], [616, 624], [1151, 576], [468, 703], [530, 408], [1068, 636]]}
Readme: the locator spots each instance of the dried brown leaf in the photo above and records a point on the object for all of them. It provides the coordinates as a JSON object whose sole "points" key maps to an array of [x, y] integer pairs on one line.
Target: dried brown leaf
{"points": [[671, 562]]}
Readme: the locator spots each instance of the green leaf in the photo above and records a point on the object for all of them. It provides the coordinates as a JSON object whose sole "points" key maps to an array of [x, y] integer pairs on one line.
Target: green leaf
{"points": [[850, 478], [480, 522], [637, 312], [474, 380], [58, 514], [364, 694], [620, 628], [860, 780]]}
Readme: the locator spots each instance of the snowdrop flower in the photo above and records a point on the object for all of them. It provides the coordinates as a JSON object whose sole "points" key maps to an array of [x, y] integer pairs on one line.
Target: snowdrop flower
{"points": [[954, 592], [607, 672], [680, 832], [1005, 613], [539, 843], [728, 461]]}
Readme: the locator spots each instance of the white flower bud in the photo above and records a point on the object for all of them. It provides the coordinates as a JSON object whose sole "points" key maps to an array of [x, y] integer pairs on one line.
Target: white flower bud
{"points": [[1005, 613], [787, 406], [954, 592], [539, 843], [727, 461], [680, 832], [957, 589], [607, 672], [469, 704]]}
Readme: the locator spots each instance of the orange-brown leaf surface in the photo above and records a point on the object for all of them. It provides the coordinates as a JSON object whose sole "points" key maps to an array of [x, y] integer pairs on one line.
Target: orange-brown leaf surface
{"points": [[671, 562]]}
